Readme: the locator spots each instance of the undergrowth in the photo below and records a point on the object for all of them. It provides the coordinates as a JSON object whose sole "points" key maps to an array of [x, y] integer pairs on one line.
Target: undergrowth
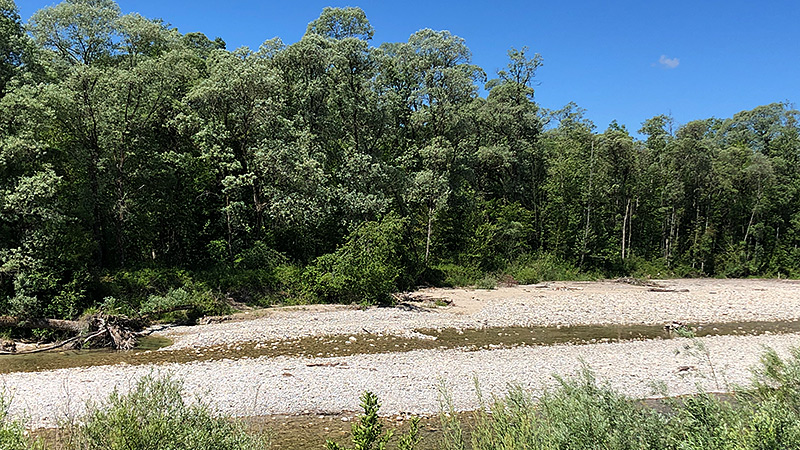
{"points": [[154, 415]]}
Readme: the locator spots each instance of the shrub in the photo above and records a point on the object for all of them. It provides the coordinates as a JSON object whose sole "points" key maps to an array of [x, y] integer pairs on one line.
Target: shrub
{"points": [[454, 275], [487, 282], [154, 415], [363, 270], [503, 235], [582, 414], [132, 288], [368, 431], [193, 302], [544, 267]]}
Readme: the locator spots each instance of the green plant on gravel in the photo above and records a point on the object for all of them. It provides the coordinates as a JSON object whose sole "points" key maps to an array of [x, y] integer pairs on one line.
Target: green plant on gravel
{"points": [[12, 432], [368, 431], [579, 414], [155, 416], [488, 282], [697, 348], [584, 414]]}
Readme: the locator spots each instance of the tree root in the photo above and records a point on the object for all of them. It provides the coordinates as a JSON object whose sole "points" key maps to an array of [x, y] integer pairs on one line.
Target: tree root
{"points": [[99, 330]]}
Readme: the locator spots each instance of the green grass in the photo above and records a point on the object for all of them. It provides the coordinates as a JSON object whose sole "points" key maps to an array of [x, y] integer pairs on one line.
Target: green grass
{"points": [[582, 413], [12, 433], [155, 416]]}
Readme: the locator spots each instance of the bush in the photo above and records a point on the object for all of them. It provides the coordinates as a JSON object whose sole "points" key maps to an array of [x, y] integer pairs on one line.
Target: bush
{"points": [[364, 270], [505, 233], [487, 282], [454, 275], [193, 302], [544, 267], [154, 416], [582, 414], [368, 431], [245, 285], [132, 288]]}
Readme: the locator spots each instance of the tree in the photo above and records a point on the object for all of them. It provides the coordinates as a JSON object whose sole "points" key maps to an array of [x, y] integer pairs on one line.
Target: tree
{"points": [[340, 23], [12, 43], [79, 31]]}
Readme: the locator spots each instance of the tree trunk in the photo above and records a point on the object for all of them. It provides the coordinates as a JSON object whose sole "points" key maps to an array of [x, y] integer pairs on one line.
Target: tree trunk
{"points": [[116, 332], [588, 206], [70, 326], [625, 226], [428, 241]]}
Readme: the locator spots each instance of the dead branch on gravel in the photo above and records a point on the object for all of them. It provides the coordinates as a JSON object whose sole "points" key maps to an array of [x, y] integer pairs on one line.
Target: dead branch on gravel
{"points": [[97, 330], [638, 282]]}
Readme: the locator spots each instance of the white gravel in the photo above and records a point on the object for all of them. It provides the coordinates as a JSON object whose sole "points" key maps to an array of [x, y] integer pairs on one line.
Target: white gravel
{"points": [[703, 300], [408, 382], [405, 382]]}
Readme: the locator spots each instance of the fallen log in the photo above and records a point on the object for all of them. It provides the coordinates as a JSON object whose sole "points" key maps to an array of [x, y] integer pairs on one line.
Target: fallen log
{"points": [[71, 326], [98, 330]]}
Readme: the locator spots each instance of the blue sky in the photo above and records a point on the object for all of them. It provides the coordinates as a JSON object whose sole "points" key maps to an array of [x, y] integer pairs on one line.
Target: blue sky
{"points": [[623, 60]]}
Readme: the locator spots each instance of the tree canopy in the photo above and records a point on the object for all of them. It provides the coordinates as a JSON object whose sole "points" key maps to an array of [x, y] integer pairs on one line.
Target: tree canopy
{"points": [[135, 159]]}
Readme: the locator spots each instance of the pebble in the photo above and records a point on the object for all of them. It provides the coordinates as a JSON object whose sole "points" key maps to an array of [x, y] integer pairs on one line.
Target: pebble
{"points": [[411, 381]]}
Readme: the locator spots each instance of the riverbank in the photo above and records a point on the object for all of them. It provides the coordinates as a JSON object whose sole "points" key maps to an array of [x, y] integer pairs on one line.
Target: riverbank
{"points": [[409, 382]]}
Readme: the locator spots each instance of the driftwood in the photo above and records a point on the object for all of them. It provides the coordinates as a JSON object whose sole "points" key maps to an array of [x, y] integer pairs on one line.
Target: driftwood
{"points": [[98, 330]]}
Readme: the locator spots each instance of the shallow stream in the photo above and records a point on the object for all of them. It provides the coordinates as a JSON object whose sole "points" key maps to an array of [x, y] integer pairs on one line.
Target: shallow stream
{"points": [[155, 350]]}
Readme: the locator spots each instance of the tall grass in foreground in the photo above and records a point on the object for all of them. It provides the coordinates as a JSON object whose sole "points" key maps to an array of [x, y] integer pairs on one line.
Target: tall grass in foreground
{"points": [[12, 433], [583, 414], [155, 416]]}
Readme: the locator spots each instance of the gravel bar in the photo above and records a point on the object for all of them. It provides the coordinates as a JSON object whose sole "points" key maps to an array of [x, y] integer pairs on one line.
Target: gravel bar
{"points": [[405, 382], [565, 303], [408, 382]]}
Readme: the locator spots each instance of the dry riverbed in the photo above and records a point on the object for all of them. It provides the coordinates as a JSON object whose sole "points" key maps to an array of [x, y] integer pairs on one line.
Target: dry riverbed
{"points": [[409, 381]]}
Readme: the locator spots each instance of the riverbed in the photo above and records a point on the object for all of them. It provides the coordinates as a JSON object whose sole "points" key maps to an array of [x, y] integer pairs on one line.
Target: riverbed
{"points": [[317, 360]]}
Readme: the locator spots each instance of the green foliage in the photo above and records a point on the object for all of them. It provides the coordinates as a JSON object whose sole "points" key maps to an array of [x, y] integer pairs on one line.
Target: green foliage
{"points": [[506, 234], [778, 378], [13, 43], [130, 152], [454, 275], [340, 23], [367, 433], [142, 283], [365, 269], [584, 414], [154, 415], [544, 267], [487, 282], [12, 433], [192, 301]]}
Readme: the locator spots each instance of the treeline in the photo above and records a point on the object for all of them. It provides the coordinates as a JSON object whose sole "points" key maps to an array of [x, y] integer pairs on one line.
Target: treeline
{"points": [[135, 159]]}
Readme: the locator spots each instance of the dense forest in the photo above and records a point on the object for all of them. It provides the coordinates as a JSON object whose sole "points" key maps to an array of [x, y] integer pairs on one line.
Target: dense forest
{"points": [[142, 167]]}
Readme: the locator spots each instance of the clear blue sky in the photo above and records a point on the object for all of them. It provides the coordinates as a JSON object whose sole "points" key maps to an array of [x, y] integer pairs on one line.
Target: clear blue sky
{"points": [[624, 59]]}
